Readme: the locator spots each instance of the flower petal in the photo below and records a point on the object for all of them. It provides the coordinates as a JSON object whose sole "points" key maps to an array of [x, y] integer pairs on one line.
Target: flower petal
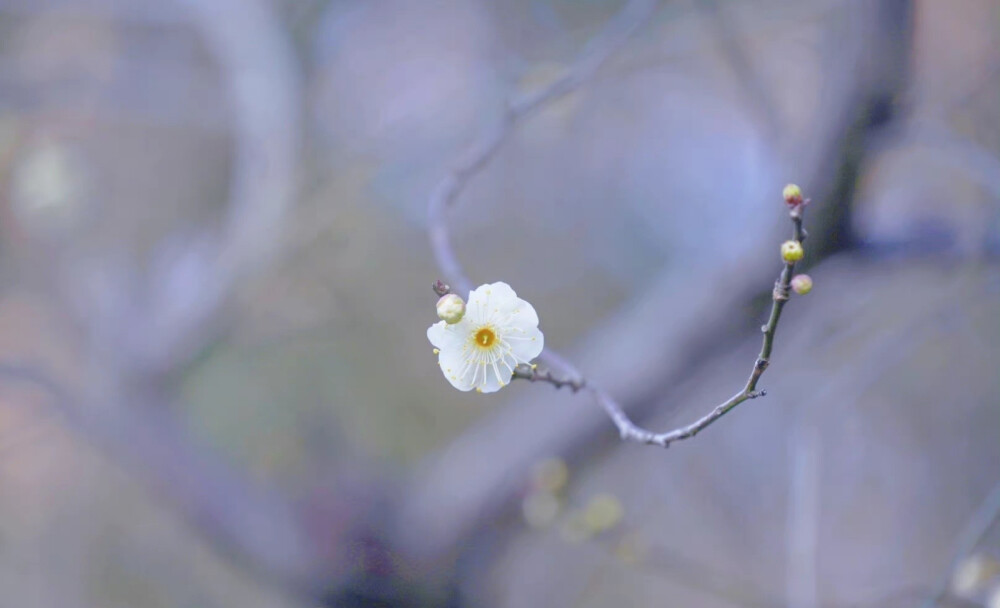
{"points": [[451, 340], [525, 345], [490, 382], [520, 314], [446, 337], [453, 365], [491, 301]]}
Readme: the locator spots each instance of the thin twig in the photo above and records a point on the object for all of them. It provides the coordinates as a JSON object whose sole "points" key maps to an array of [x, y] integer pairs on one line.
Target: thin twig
{"points": [[632, 432], [531, 373], [448, 189], [972, 533]]}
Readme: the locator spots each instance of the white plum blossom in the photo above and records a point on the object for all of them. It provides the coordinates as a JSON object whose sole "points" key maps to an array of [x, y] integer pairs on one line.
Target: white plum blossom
{"points": [[498, 332]]}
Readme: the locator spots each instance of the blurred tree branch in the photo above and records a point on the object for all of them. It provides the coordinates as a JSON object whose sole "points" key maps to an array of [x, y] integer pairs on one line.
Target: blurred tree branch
{"points": [[156, 320], [444, 195], [731, 43], [972, 533], [255, 528], [146, 324]]}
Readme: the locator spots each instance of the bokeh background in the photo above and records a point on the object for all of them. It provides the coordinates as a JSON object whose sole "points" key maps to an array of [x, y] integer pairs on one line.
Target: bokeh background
{"points": [[215, 385]]}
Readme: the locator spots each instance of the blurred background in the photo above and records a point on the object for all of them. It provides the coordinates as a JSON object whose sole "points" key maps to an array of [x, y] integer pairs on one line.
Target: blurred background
{"points": [[215, 384]]}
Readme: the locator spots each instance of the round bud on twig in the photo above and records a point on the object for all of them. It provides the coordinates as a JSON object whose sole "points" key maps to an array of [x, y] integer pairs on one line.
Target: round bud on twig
{"points": [[791, 251], [451, 308], [792, 194], [802, 284]]}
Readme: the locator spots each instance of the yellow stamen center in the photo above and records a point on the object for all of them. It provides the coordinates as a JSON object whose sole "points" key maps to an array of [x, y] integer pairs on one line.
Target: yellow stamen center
{"points": [[485, 337]]}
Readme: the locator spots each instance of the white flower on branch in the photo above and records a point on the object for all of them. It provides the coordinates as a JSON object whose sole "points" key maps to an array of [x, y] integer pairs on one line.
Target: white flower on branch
{"points": [[498, 332]]}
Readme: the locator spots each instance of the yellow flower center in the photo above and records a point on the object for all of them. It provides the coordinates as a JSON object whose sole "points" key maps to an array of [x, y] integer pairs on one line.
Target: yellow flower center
{"points": [[485, 337]]}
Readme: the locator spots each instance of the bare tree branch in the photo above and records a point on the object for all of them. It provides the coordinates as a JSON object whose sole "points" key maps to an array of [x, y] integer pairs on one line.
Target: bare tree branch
{"points": [[533, 374], [632, 432], [617, 32], [434, 518], [447, 191]]}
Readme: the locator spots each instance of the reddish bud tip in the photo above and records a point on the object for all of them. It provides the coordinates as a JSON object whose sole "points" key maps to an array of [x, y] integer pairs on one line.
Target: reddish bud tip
{"points": [[792, 194]]}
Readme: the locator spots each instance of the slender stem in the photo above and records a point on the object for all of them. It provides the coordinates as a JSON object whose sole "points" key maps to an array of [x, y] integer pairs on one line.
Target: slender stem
{"points": [[532, 373], [632, 432]]}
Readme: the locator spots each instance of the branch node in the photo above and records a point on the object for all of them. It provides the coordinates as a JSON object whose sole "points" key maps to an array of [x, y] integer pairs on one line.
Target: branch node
{"points": [[780, 294], [441, 289]]}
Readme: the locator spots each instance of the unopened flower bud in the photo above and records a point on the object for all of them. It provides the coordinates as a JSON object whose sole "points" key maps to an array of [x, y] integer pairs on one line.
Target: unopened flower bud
{"points": [[792, 194], [791, 251], [802, 284], [451, 308]]}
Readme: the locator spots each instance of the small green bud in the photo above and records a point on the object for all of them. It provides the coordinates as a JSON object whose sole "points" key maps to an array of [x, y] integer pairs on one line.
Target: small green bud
{"points": [[802, 284], [451, 308], [791, 251], [792, 194]]}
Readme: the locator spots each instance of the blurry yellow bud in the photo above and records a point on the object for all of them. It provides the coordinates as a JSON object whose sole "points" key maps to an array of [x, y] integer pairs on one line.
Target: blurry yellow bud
{"points": [[603, 512], [792, 194], [451, 308], [540, 509], [791, 251], [550, 475], [802, 284]]}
